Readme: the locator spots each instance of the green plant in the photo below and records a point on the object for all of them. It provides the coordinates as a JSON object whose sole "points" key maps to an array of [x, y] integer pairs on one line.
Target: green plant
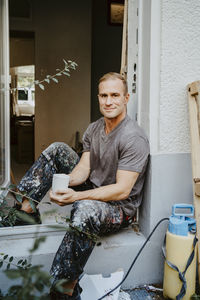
{"points": [[9, 214], [33, 283], [68, 66], [5, 210], [65, 71], [195, 297], [32, 280]]}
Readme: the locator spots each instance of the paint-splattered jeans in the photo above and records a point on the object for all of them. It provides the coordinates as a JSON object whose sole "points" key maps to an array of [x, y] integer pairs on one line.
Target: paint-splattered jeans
{"points": [[95, 217]]}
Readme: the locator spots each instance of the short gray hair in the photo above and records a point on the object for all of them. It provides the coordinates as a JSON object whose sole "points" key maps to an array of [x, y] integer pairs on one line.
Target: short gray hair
{"points": [[113, 75]]}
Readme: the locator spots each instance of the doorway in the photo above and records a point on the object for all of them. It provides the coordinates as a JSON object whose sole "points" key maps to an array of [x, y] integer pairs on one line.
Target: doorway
{"points": [[51, 32], [81, 32]]}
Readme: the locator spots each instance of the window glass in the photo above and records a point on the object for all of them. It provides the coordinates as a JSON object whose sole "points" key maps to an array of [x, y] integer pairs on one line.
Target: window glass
{"points": [[4, 94], [2, 123], [22, 95]]}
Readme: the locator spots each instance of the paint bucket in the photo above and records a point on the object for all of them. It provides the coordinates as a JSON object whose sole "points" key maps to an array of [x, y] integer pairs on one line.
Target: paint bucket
{"points": [[180, 263]]}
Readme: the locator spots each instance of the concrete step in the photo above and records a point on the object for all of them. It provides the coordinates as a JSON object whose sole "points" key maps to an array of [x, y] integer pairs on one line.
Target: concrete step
{"points": [[114, 252], [118, 252]]}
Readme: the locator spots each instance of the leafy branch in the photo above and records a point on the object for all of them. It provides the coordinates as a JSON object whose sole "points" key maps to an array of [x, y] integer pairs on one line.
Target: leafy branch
{"points": [[20, 195], [22, 263], [195, 297], [33, 279], [65, 71], [78, 231], [68, 66]]}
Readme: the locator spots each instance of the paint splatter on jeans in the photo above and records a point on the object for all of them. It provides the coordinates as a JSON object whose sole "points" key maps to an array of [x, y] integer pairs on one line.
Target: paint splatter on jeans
{"points": [[95, 217], [57, 158], [91, 216]]}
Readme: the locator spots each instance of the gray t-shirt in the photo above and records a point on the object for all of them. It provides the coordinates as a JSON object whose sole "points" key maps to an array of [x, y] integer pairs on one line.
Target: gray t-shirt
{"points": [[125, 148]]}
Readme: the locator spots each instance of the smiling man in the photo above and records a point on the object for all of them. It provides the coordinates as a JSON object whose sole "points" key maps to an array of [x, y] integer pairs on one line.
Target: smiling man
{"points": [[105, 184]]}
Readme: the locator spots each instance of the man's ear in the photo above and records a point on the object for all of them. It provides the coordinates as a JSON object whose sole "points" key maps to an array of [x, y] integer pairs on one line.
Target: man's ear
{"points": [[127, 97]]}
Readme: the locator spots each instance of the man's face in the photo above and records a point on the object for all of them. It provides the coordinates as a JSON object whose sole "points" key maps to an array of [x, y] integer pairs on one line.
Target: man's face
{"points": [[112, 101]]}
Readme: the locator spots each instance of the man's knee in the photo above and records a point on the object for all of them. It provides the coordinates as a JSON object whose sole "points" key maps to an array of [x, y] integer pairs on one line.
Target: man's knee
{"points": [[57, 146], [86, 215], [60, 149]]}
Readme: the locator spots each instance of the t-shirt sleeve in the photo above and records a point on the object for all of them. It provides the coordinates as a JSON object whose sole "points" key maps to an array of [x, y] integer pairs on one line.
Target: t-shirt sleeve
{"points": [[134, 154], [87, 139]]}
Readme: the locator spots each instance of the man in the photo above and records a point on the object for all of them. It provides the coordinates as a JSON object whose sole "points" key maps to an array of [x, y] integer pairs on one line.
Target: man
{"points": [[105, 185]]}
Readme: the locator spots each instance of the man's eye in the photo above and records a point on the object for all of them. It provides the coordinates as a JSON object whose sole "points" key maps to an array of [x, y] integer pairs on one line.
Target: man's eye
{"points": [[115, 95]]}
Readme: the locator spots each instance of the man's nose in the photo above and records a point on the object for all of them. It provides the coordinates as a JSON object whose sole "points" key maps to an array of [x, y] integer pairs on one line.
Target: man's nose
{"points": [[108, 100]]}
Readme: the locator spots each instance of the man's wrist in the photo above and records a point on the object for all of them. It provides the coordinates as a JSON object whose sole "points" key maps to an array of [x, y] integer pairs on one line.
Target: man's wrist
{"points": [[80, 195], [77, 196]]}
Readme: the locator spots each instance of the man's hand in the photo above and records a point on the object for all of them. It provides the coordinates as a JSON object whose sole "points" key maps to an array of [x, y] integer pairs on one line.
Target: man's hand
{"points": [[63, 197]]}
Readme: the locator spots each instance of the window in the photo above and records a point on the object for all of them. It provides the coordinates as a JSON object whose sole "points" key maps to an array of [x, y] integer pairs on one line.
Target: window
{"points": [[4, 94], [22, 95], [22, 81]]}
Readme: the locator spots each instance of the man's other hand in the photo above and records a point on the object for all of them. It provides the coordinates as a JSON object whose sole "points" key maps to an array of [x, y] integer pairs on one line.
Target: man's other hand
{"points": [[63, 197]]}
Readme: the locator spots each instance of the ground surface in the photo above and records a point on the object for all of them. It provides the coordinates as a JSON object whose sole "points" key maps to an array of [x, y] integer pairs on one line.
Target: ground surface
{"points": [[142, 293]]}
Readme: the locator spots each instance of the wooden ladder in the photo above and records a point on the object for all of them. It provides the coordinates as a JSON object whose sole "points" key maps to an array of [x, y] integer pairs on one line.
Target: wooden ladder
{"points": [[194, 115]]}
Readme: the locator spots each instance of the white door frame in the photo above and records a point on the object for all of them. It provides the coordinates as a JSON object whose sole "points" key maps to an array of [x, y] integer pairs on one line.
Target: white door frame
{"points": [[132, 58], [149, 56]]}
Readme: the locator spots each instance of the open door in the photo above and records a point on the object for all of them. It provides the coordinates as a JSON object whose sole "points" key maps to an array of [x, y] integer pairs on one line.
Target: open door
{"points": [[4, 95], [129, 57]]}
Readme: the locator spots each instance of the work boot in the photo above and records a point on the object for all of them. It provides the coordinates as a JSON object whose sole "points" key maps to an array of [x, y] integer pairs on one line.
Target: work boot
{"points": [[18, 217], [24, 218], [59, 296], [54, 295]]}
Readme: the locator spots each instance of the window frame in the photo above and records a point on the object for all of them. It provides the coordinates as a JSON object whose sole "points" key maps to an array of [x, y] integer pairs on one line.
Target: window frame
{"points": [[5, 93]]}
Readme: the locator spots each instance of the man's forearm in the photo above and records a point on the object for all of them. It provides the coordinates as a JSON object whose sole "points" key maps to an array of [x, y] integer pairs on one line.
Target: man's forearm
{"points": [[112, 192]]}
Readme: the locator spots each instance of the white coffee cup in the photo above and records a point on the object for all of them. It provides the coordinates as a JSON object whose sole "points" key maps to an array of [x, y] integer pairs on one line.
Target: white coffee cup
{"points": [[60, 182]]}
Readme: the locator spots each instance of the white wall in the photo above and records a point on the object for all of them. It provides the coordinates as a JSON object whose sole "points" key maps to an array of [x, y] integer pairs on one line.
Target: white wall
{"points": [[170, 61], [62, 30], [180, 65]]}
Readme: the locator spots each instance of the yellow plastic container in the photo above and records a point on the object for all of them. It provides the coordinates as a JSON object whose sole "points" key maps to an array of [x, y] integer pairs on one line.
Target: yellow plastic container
{"points": [[178, 250]]}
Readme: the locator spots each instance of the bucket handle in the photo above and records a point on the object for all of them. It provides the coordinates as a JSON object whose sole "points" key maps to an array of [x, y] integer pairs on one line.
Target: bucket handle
{"points": [[183, 206]]}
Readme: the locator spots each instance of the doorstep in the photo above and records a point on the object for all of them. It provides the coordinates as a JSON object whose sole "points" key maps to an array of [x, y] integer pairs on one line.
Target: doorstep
{"points": [[114, 252]]}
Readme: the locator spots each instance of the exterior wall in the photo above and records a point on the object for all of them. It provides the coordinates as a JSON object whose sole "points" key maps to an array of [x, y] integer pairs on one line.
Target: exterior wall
{"points": [[180, 65], [169, 60], [174, 61]]}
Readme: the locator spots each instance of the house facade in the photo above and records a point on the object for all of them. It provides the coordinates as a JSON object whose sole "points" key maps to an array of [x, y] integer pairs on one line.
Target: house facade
{"points": [[163, 54]]}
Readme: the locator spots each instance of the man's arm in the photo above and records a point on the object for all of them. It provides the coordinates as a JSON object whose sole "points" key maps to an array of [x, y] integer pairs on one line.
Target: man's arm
{"points": [[125, 181], [81, 172]]}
